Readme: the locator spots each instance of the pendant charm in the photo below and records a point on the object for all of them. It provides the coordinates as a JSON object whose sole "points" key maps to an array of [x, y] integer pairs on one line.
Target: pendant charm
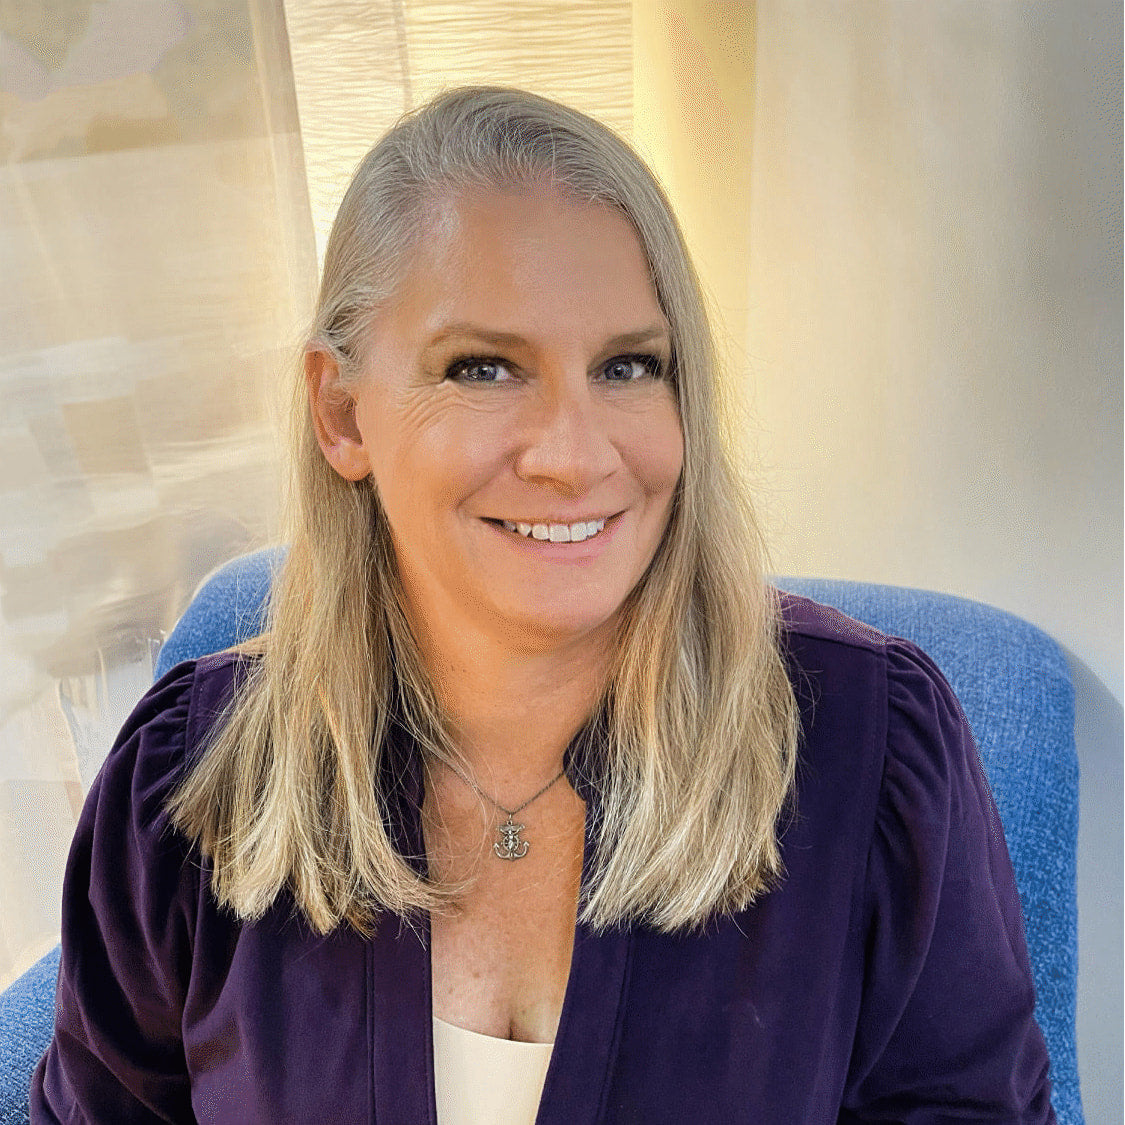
{"points": [[510, 846]]}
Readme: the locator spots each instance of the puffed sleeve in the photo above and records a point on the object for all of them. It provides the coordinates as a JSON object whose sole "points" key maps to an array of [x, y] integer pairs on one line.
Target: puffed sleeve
{"points": [[129, 898], [947, 1030]]}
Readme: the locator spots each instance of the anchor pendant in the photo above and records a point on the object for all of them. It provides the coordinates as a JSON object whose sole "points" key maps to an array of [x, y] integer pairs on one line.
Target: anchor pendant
{"points": [[510, 846]]}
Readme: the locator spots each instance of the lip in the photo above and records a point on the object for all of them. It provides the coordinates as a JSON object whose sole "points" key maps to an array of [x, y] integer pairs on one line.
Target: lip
{"points": [[607, 516]]}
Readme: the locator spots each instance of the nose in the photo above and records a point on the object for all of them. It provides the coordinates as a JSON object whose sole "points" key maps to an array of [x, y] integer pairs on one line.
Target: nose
{"points": [[567, 442]]}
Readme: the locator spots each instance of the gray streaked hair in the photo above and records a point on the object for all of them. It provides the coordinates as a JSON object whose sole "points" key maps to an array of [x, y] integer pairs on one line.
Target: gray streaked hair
{"points": [[697, 729]]}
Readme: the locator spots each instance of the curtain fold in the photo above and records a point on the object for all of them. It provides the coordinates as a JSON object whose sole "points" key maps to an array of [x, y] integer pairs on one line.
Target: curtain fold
{"points": [[169, 170], [157, 251]]}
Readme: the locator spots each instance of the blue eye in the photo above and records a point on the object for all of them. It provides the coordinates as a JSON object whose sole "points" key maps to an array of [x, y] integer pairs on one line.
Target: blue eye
{"points": [[477, 369], [632, 368]]}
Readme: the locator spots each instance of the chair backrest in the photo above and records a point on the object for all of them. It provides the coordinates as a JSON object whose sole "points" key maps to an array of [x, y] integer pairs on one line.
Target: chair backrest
{"points": [[1015, 688], [228, 607], [27, 1014], [1014, 685]]}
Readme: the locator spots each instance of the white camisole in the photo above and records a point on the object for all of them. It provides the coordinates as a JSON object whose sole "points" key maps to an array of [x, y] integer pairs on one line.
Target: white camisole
{"points": [[480, 1080]]}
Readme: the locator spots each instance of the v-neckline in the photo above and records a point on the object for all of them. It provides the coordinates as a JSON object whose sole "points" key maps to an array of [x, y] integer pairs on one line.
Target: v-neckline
{"points": [[589, 1028], [399, 987], [400, 1028]]}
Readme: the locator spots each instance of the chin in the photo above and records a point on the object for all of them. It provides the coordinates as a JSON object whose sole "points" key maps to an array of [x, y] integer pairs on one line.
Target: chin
{"points": [[540, 630]]}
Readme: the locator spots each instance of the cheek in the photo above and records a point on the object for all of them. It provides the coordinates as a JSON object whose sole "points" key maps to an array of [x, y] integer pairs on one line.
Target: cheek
{"points": [[436, 465], [659, 452]]}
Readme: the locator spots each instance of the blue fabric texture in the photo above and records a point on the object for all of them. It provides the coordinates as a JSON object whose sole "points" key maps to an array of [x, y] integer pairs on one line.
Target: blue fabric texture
{"points": [[229, 607], [27, 1014], [1011, 679]]}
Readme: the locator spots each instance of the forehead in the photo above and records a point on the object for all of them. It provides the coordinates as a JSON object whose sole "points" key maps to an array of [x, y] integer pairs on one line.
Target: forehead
{"points": [[528, 259]]}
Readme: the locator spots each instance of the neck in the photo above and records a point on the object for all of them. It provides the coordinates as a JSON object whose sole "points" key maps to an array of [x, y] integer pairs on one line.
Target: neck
{"points": [[513, 713]]}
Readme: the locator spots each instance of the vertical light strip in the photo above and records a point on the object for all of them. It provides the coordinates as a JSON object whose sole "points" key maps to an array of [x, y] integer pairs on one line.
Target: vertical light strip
{"points": [[693, 109], [351, 79], [357, 66]]}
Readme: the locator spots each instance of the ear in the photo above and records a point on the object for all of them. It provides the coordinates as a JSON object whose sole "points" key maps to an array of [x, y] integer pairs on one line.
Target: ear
{"points": [[333, 415]]}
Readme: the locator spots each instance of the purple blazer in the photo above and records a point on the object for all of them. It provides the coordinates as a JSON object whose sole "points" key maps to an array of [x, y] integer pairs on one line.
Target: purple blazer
{"points": [[885, 979]]}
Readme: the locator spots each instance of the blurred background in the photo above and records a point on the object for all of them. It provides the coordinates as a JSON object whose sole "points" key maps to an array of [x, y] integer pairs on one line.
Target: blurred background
{"points": [[907, 216]]}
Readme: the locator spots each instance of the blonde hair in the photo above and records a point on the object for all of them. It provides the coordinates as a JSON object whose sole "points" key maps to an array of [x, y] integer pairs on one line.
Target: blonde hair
{"points": [[694, 742]]}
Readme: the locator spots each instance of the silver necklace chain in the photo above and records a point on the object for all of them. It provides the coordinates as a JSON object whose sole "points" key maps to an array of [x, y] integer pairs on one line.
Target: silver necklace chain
{"points": [[509, 845]]}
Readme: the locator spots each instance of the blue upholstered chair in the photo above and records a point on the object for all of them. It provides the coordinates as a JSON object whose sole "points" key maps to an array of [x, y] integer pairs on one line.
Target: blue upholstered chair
{"points": [[1011, 679]]}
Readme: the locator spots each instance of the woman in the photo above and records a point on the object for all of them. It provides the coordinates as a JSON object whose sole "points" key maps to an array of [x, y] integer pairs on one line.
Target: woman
{"points": [[515, 764]]}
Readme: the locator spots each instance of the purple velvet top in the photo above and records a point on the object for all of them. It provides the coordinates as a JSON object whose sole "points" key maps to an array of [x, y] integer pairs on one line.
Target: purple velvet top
{"points": [[885, 979]]}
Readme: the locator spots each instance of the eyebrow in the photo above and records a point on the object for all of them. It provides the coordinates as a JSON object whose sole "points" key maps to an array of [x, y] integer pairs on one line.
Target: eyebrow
{"points": [[514, 340]]}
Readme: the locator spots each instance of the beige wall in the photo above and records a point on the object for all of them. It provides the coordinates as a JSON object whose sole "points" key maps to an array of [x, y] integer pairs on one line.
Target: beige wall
{"points": [[909, 215], [910, 233]]}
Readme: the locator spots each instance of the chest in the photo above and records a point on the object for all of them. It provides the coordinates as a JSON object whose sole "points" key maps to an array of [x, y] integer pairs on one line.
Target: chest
{"points": [[752, 1019], [304, 1028], [500, 961]]}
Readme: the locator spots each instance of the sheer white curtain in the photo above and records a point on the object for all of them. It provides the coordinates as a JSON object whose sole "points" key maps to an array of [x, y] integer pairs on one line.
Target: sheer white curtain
{"points": [[158, 258], [358, 65], [158, 251]]}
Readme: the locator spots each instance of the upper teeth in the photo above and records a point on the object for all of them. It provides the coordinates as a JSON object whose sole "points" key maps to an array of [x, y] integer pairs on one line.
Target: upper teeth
{"points": [[557, 532]]}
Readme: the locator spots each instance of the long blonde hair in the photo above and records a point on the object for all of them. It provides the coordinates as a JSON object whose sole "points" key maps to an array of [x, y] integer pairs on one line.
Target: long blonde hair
{"points": [[697, 730]]}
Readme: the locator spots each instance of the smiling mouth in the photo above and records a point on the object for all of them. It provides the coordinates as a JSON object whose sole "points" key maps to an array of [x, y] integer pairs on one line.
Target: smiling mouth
{"points": [[554, 532]]}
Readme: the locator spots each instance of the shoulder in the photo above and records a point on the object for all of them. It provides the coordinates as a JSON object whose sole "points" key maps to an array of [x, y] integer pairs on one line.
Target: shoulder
{"points": [[133, 897], [125, 810], [804, 619], [887, 757], [832, 655], [891, 791], [170, 723], [130, 872], [882, 730]]}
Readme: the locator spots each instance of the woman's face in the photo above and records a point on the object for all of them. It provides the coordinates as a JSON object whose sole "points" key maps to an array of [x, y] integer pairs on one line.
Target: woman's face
{"points": [[516, 416]]}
